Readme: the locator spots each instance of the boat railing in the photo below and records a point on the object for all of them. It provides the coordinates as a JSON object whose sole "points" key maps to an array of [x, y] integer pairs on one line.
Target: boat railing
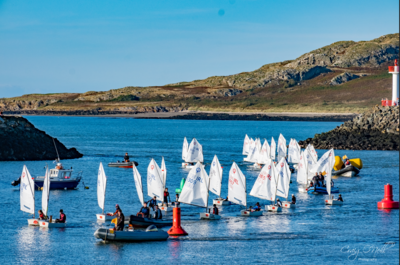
{"points": [[79, 175]]}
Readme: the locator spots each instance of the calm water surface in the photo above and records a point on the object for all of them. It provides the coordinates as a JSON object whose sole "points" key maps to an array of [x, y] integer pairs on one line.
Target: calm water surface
{"points": [[353, 233]]}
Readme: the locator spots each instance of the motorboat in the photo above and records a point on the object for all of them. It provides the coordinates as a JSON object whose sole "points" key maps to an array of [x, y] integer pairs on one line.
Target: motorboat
{"points": [[349, 171], [60, 178], [321, 190], [137, 221], [123, 164], [152, 234]]}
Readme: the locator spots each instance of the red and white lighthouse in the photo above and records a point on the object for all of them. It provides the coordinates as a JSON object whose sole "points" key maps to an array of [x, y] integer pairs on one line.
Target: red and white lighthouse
{"points": [[394, 70]]}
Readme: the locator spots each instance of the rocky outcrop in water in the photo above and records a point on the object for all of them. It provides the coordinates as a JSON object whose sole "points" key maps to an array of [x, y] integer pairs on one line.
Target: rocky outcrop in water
{"points": [[21, 141], [376, 129]]}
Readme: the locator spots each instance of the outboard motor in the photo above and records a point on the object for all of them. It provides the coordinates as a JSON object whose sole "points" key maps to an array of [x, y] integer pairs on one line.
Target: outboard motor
{"points": [[151, 228], [16, 182]]}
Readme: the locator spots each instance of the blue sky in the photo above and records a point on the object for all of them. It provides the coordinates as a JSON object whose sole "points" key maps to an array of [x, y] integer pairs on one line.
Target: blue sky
{"points": [[78, 46]]}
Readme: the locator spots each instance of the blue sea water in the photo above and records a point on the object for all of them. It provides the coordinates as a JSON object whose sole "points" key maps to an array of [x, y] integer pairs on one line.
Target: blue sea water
{"points": [[356, 232]]}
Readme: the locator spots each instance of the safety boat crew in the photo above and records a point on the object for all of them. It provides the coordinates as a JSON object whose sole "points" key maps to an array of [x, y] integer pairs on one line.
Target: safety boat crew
{"points": [[347, 167]]}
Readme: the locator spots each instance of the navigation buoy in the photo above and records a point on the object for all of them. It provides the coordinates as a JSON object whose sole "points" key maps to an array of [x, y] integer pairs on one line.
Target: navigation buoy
{"points": [[176, 229], [387, 202]]}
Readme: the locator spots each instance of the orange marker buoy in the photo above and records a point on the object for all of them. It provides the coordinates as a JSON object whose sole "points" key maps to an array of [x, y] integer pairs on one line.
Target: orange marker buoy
{"points": [[387, 202], [176, 229]]}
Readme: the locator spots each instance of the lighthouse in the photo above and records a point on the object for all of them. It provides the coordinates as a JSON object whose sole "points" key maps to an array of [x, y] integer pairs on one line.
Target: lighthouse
{"points": [[394, 70]]}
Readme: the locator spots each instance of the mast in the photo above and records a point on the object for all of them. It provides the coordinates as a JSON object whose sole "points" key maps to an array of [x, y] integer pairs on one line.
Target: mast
{"points": [[208, 193], [56, 150]]}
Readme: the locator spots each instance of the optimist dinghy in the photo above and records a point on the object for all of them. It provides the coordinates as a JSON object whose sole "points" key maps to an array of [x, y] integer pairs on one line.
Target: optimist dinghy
{"points": [[151, 234], [45, 203], [195, 191], [27, 195], [216, 182], [284, 175], [294, 153], [273, 149], [324, 164], [282, 149], [250, 147], [193, 154], [332, 201], [156, 183], [101, 194]]}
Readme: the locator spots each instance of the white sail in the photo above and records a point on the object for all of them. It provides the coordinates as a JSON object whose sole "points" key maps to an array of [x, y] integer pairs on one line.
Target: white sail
{"points": [[313, 152], [101, 186], [310, 161], [195, 152], [155, 185], [251, 148], [324, 164], [195, 190], [215, 176], [185, 148], [46, 192], [264, 156], [255, 151], [27, 192], [273, 148], [237, 186], [284, 175], [265, 185], [138, 183], [294, 152], [246, 145], [302, 169], [164, 172], [282, 149]]}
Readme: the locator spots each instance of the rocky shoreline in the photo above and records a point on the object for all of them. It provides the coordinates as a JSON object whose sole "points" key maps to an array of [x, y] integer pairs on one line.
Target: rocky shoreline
{"points": [[21, 141], [376, 129]]}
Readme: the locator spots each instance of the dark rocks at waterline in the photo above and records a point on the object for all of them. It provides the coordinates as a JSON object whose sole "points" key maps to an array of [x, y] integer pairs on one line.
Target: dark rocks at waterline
{"points": [[376, 129], [21, 141]]}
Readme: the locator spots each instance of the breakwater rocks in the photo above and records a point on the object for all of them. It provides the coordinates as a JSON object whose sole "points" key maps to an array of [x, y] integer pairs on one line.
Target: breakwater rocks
{"points": [[376, 129], [20, 141]]}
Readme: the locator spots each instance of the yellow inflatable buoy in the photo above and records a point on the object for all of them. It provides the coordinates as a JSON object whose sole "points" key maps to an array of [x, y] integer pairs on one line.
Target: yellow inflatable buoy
{"points": [[357, 162], [338, 163]]}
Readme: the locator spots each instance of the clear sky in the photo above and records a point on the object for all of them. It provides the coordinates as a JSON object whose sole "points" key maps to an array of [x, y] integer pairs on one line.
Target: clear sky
{"points": [[77, 46]]}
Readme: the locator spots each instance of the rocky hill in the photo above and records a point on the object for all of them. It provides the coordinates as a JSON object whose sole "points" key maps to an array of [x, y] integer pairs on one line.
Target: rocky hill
{"points": [[345, 76], [375, 129], [20, 141]]}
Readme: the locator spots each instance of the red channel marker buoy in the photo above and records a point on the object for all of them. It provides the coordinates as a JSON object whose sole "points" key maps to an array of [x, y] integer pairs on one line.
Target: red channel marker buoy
{"points": [[387, 202], [176, 229]]}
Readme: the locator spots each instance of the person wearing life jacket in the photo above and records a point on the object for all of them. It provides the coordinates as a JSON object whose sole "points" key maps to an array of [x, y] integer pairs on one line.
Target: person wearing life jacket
{"points": [[116, 210], [340, 198], [158, 213], [63, 217], [257, 207], [321, 178], [293, 199], [120, 221], [144, 211], [41, 215], [176, 203], [278, 203], [316, 180], [166, 196], [347, 162], [215, 209], [152, 203], [126, 157]]}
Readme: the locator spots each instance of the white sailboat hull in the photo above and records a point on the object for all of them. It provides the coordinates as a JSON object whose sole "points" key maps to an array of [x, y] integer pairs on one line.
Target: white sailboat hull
{"points": [[288, 205], [333, 202], [273, 208], [256, 166], [52, 224], [104, 217], [221, 202], [250, 213], [209, 216], [302, 190], [33, 222], [166, 208]]}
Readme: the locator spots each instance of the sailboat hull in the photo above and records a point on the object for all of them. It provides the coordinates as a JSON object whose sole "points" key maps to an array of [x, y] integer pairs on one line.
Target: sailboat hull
{"points": [[33, 222], [209, 216], [288, 205], [250, 213], [333, 202], [273, 208], [221, 202], [52, 225], [104, 217]]}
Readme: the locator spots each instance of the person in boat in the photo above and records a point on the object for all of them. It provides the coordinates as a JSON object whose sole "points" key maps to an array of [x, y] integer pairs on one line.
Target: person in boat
{"points": [[226, 199], [347, 162], [152, 203], [158, 213], [293, 199], [126, 158], [316, 180], [116, 210], [41, 215], [63, 217], [278, 203], [215, 209], [176, 203], [257, 207], [120, 221], [166, 197], [321, 178], [340, 198], [144, 211], [311, 184]]}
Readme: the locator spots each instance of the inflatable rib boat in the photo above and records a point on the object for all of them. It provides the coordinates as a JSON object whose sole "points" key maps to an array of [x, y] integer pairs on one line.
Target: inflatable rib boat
{"points": [[123, 164], [321, 190], [131, 236], [349, 171], [137, 221]]}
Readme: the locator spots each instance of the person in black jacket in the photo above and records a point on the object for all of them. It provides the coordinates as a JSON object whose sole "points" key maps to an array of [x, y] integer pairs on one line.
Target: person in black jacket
{"points": [[120, 221], [126, 157], [215, 209], [158, 213], [293, 199], [144, 211], [152, 203]]}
